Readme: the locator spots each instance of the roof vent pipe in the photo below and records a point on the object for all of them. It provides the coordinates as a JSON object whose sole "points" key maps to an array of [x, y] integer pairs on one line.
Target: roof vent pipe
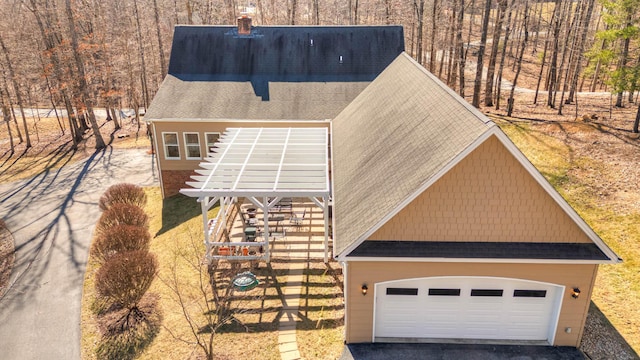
{"points": [[244, 25]]}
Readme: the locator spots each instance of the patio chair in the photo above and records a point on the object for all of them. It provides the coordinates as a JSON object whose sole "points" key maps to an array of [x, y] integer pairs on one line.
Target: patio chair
{"points": [[285, 204], [297, 218]]}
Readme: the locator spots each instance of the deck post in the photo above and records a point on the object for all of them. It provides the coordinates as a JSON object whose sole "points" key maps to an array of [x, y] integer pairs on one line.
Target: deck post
{"points": [[265, 233], [325, 214]]}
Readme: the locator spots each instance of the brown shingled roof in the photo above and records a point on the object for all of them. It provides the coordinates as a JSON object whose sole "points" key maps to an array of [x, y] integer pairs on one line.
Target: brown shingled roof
{"points": [[401, 131]]}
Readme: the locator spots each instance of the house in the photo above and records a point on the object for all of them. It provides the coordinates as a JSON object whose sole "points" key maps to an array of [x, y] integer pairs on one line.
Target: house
{"points": [[445, 230], [258, 76]]}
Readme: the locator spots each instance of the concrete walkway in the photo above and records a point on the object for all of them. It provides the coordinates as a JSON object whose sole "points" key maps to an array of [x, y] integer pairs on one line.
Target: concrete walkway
{"points": [[299, 249], [287, 341], [52, 217]]}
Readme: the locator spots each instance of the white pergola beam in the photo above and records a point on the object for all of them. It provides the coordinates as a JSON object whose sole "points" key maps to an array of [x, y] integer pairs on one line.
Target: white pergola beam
{"points": [[263, 163]]}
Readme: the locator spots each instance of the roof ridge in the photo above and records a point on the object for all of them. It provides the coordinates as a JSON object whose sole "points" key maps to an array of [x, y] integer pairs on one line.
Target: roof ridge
{"points": [[482, 117]]}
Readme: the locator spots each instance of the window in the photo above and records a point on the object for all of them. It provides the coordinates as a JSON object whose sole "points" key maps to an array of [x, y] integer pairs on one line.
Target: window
{"points": [[192, 145], [486, 292], [211, 138], [402, 291], [171, 148], [444, 292], [530, 293]]}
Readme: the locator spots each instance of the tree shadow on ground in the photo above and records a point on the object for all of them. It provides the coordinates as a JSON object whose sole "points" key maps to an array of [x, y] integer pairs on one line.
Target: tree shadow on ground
{"points": [[125, 335], [601, 340], [176, 210]]}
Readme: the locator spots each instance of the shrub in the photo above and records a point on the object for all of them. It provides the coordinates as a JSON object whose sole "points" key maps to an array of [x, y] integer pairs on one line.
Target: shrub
{"points": [[125, 278], [123, 194], [119, 238], [121, 214]]}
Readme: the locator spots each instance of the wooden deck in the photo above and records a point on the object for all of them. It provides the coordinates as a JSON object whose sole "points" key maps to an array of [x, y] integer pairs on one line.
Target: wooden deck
{"points": [[287, 238]]}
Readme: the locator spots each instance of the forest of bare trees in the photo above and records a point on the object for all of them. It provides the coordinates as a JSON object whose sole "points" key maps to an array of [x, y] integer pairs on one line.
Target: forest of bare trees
{"points": [[76, 55]]}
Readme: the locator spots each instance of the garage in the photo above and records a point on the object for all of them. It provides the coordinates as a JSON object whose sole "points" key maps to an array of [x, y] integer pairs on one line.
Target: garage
{"points": [[480, 308]]}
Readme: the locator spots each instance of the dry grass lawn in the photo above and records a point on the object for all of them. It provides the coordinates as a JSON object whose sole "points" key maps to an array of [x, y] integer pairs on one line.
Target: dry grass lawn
{"points": [[252, 333], [595, 168], [51, 147]]}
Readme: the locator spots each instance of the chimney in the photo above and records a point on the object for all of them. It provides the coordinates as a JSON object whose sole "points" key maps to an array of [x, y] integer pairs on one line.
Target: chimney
{"points": [[244, 25]]}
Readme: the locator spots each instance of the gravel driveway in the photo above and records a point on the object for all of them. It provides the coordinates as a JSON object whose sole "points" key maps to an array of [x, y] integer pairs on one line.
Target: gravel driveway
{"points": [[52, 217]]}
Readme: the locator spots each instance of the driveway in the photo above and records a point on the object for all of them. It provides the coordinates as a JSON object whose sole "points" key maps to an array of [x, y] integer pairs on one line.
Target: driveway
{"points": [[52, 217], [458, 352]]}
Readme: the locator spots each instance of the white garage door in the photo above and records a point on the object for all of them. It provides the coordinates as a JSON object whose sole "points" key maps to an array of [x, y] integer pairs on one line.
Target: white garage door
{"points": [[487, 308]]}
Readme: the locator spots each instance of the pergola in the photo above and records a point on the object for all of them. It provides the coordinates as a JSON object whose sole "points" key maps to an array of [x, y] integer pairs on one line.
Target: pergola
{"points": [[263, 165]]}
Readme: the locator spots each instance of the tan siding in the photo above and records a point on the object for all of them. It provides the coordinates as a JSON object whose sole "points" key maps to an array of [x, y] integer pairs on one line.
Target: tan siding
{"points": [[488, 196], [573, 312], [203, 127]]}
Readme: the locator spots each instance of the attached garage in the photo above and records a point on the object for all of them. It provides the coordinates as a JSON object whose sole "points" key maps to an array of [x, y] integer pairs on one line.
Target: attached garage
{"points": [[479, 308], [445, 231]]}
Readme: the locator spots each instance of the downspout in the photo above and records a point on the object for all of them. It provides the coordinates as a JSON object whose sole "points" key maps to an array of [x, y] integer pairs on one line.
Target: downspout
{"points": [[156, 153]]}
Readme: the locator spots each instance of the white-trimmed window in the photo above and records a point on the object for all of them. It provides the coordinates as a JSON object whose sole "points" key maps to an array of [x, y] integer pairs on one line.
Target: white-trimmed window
{"points": [[171, 147], [192, 145], [211, 138]]}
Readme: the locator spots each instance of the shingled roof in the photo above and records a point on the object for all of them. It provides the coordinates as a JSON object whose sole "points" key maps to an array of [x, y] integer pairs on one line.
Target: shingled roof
{"points": [[276, 73], [396, 135], [399, 136]]}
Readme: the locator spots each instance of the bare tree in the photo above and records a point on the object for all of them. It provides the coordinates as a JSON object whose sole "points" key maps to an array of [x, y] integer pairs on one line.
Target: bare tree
{"points": [[477, 84], [82, 77], [497, 33], [419, 11], [510, 101], [7, 119], [507, 34], [206, 305], [16, 90]]}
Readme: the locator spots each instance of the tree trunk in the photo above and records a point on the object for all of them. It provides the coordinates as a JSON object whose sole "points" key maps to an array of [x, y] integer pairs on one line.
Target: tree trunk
{"points": [[316, 12], [479, 67], [553, 67], [143, 74], [596, 72], [580, 50], [419, 11], [292, 12], [636, 124], [163, 64], [387, 11], [432, 51], [633, 86], [355, 13], [544, 56], [12, 114], [622, 67], [16, 90], [82, 77], [572, 54], [507, 33], [76, 135], [497, 33], [534, 48], [460, 49], [7, 120], [510, 102]]}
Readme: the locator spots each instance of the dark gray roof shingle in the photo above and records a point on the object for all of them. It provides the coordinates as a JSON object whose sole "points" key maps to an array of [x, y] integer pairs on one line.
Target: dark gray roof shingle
{"points": [[275, 74], [284, 53], [480, 250]]}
